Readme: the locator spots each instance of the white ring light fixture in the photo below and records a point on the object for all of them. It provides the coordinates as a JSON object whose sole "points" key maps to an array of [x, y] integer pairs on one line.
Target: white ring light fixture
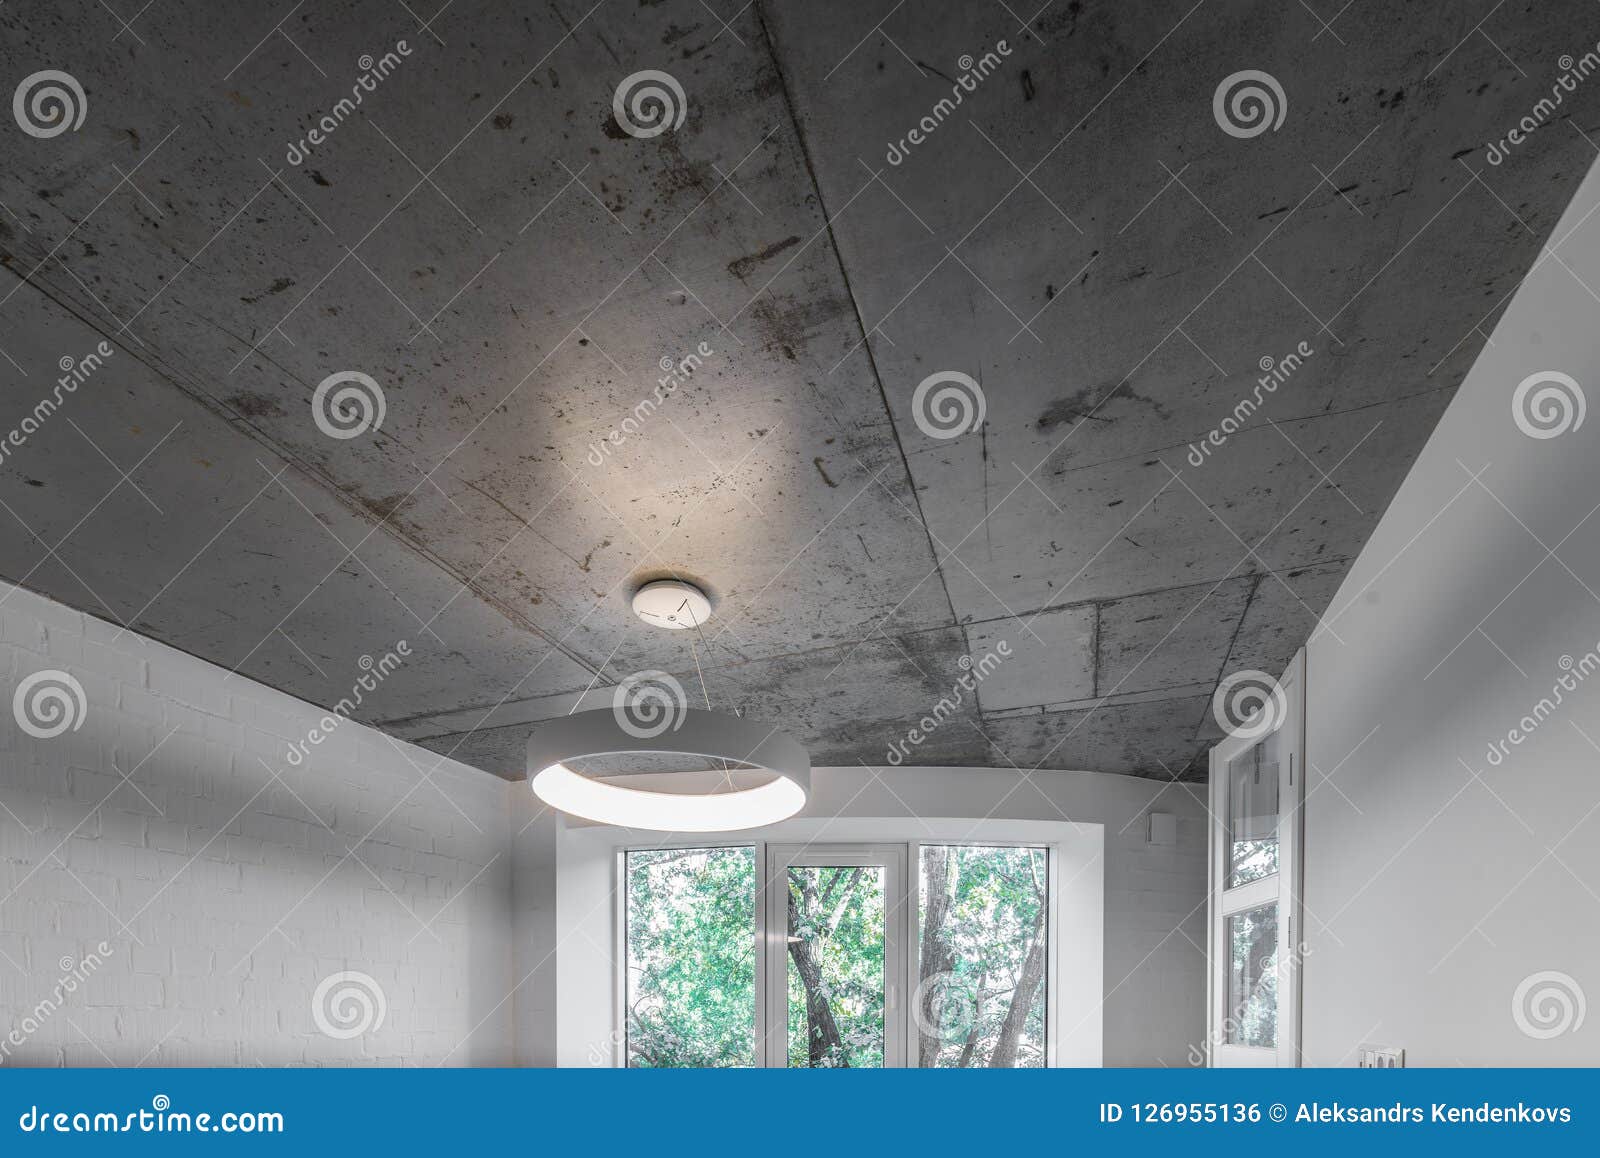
{"points": [[710, 735]]}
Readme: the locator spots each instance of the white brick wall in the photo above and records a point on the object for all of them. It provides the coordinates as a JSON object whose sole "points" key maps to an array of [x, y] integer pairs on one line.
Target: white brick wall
{"points": [[224, 895], [1156, 934]]}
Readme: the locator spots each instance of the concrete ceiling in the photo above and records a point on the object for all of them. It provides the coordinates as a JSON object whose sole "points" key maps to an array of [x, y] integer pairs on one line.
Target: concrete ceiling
{"points": [[512, 267]]}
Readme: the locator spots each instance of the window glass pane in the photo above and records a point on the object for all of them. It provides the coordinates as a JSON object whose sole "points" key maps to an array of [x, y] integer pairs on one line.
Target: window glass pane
{"points": [[1253, 813], [691, 933], [982, 964], [835, 973], [1253, 977]]}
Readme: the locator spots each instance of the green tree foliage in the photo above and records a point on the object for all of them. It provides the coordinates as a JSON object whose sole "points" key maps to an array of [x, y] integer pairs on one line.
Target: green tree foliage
{"points": [[836, 967], [980, 1000], [691, 993]]}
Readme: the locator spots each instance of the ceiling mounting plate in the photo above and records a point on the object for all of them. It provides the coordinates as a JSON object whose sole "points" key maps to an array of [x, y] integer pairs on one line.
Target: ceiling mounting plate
{"points": [[671, 603]]}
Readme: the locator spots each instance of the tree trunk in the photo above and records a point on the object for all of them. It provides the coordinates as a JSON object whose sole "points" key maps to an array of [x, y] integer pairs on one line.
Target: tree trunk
{"points": [[970, 1046], [822, 1031], [1005, 1047], [936, 957], [844, 901]]}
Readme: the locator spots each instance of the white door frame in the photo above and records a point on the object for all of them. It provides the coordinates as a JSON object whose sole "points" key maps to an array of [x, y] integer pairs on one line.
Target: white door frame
{"points": [[779, 859], [1284, 887]]}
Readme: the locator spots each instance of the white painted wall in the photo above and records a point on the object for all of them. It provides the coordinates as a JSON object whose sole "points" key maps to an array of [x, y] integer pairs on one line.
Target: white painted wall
{"points": [[1146, 981], [223, 895], [1437, 882]]}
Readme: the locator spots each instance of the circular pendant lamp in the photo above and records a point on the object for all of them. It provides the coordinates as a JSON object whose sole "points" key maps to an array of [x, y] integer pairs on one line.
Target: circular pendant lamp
{"points": [[680, 731]]}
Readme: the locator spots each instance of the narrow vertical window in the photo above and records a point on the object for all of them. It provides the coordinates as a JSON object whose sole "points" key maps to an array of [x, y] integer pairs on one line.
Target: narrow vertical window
{"points": [[1253, 814], [1253, 977]]}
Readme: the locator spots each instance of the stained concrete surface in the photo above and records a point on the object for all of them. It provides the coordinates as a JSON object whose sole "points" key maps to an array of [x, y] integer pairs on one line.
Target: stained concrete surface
{"points": [[483, 239]]}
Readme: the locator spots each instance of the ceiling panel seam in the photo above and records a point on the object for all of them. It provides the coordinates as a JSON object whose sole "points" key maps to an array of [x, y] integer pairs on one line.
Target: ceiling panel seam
{"points": [[855, 304]]}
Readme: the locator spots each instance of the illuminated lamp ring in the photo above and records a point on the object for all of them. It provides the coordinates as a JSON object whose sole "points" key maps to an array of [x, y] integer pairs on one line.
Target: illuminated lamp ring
{"points": [[708, 735]]}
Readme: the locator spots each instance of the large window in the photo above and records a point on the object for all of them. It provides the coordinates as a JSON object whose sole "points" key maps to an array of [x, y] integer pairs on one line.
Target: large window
{"points": [[859, 956], [984, 917], [690, 989], [835, 970]]}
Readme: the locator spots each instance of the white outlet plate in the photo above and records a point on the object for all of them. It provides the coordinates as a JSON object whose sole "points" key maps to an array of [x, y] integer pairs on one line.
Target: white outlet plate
{"points": [[1381, 1057]]}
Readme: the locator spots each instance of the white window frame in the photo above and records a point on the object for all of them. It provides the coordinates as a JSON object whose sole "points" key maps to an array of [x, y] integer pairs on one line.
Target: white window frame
{"points": [[772, 888], [1282, 888], [1054, 974], [1080, 966], [620, 933]]}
